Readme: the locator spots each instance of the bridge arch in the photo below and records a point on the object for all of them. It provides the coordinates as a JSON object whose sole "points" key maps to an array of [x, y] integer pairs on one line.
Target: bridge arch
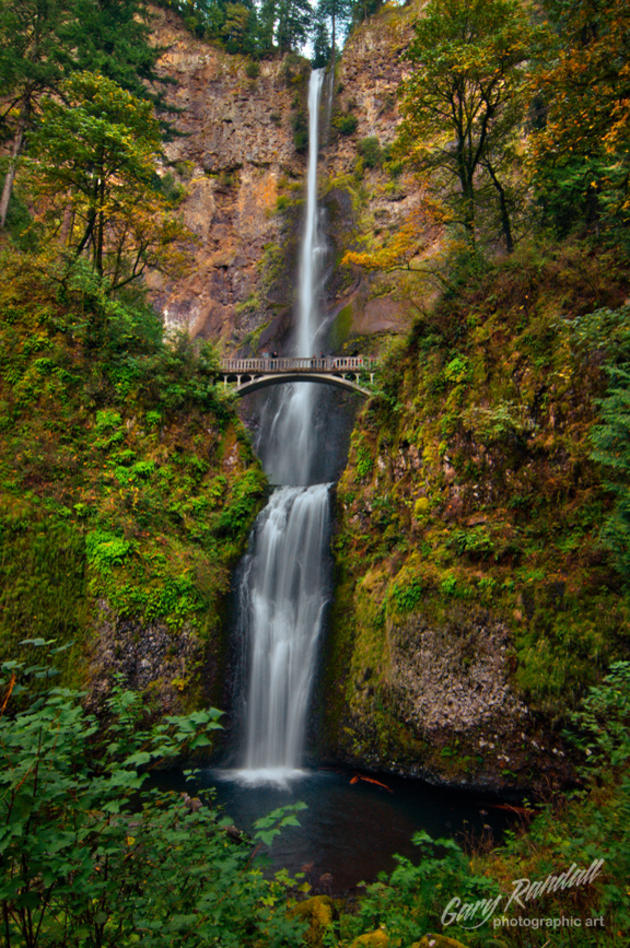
{"points": [[248, 384]]}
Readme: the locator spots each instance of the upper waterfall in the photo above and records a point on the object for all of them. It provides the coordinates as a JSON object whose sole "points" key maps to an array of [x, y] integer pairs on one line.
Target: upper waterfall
{"points": [[286, 443], [312, 246]]}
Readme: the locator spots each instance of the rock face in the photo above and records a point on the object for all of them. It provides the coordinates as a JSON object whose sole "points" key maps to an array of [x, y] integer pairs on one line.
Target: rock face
{"points": [[149, 657], [369, 196], [234, 153], [438, 703]]}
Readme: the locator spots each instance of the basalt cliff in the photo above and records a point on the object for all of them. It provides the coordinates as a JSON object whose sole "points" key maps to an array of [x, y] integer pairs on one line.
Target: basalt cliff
{"points": [[473, 600]]}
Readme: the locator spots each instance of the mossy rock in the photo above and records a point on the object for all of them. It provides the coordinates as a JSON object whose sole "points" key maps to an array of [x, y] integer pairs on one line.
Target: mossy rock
{"points": [[376, 939], [318, 912]]}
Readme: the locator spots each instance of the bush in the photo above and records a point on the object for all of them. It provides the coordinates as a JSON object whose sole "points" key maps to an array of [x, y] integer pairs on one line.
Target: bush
{"points": [[252, 70], [90, 855], [370, 151], [345, 123], [300, 131]]}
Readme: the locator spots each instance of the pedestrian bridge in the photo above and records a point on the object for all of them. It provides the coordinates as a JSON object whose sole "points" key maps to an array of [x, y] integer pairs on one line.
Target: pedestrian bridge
{"points": [[353, 373]]}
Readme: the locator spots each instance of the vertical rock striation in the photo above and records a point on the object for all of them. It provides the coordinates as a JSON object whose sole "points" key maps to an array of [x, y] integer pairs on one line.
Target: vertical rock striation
{"points": [[234, 152]]}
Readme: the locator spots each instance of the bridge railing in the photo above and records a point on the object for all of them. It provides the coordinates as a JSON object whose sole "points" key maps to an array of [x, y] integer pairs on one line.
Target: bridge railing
{"points": [[289, 364]]}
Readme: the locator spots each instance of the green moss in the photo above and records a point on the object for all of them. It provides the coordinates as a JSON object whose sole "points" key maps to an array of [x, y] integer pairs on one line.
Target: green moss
{"points": [[341, 327], [125, 476], [500, 506]]}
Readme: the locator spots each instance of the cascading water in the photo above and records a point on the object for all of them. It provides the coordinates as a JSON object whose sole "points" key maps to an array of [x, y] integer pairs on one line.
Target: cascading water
{"points": [[284, 590], [350, 827]]}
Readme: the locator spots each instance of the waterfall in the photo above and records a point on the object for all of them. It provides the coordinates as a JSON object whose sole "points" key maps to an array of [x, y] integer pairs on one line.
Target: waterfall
{"points": [[284, 590], [286, 444], [283, 596]]}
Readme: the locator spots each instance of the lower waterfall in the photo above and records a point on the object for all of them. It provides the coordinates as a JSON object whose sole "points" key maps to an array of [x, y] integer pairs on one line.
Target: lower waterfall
{"points": [[283, 596]]}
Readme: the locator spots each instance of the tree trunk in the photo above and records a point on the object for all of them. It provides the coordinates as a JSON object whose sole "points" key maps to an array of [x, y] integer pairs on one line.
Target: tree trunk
{"points": [[16, 151], [506, 226], [333, 40]]}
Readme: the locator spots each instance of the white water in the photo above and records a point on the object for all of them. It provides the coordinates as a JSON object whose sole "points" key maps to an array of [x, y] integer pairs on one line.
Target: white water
{"points": [[290, 447], [283, 591], [284, 595]]}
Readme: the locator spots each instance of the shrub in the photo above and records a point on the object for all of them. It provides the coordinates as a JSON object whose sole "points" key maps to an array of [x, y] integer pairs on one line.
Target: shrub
{"points": [[345, 123], [370, 150], [252, 70], [95, 857]]}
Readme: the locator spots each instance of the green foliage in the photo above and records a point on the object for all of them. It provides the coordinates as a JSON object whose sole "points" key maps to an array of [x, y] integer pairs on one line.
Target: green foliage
{"points": [[43, 42], [611, 440], [300, 130], [603, 721], [465, 87], [407, 595], [345, 123], [580, 144], [370, 150], [608, 332], [475, 542], [105, 550], [457, 370], [91, 855], [364, 462], [412, 899], [112, 481]]}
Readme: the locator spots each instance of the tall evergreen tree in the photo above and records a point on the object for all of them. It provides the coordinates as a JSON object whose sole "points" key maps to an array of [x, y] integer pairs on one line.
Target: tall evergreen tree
{"points": [[322, 50], [32, 53], [338, 13], [294, 19], [111, 37]]}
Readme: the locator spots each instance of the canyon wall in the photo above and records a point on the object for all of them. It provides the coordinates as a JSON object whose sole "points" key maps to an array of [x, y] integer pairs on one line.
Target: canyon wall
{"points": [[234, 152]]}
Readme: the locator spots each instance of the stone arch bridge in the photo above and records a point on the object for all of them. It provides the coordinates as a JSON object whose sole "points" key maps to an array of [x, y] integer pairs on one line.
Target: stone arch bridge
{"points": [[353, 373]]}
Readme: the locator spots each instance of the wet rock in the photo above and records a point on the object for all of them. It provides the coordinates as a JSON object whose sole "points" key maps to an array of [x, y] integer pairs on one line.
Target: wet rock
{"points": [[150, 658]]}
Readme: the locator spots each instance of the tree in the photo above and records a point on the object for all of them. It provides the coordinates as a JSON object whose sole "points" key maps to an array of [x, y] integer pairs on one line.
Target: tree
{"points": [[43, 40], [32, 54], [111, 37], [322, 49], [581, 152], [339, 14], [460, 105], [94, 172], [293, 22]]}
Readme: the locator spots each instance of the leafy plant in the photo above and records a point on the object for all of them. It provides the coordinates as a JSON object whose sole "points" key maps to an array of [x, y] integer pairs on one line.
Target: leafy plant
{"points": [[90, 855], [370, 150], [345, 123]]}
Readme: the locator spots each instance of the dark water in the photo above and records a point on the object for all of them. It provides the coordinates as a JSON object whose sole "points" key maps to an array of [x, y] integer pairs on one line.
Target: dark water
{"points": [[351, 830]]}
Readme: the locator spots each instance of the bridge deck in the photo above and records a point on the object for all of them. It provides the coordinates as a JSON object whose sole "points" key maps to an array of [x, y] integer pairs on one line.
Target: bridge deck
{"points": [[284, 364]]}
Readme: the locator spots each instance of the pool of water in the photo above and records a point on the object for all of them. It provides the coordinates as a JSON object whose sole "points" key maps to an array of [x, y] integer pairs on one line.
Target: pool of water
{"points": [[352, 827]]}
